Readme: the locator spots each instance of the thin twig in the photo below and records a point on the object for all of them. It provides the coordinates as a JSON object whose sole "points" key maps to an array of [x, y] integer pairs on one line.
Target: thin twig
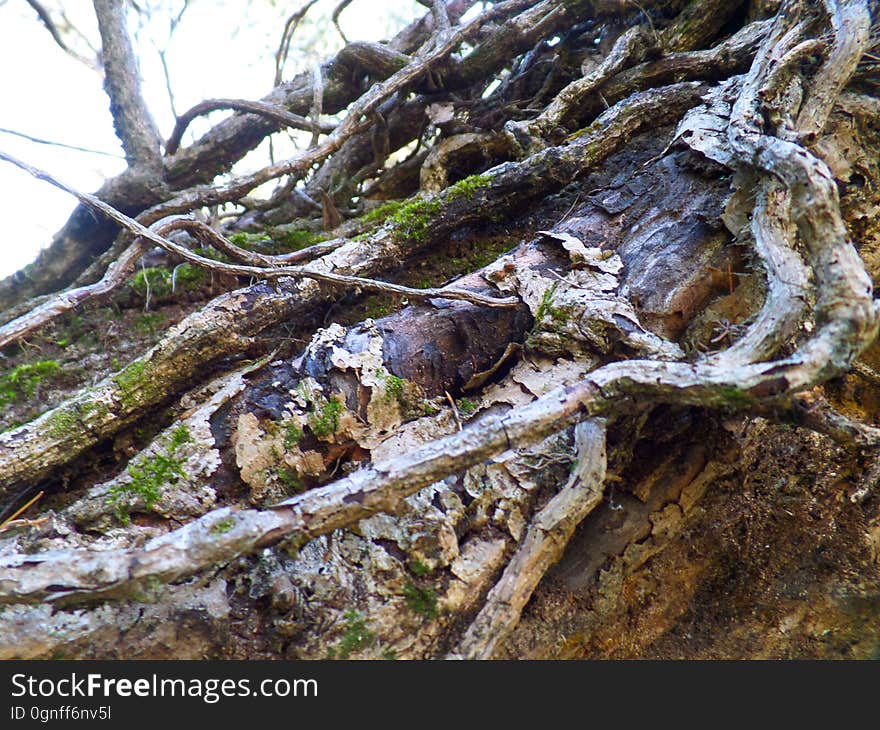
{"points": [[276, 113], [290, 27], [40, 140], [293, 272]]}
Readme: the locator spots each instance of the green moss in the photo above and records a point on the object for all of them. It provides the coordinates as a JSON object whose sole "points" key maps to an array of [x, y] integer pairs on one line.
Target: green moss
{"points": [[376, 306], [298, 239], [148, 322], [21, 382], [734, 397], [186, 276], [291, 480], [420, 600], [148, 476], [324, 419], [248, 240], [465, 189], [148, 590], [221, 527], [489, 251], [382, 212], [413, 220], [393, 388], [61, 423], [418, 568], [593, 128], [129, 381], [466, 407], [98, 409], [356, 637], [546, 301], [292, 434], [154, 280]]}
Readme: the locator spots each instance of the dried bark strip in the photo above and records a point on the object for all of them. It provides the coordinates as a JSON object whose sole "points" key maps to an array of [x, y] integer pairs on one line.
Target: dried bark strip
{"points": [[543, 545]]}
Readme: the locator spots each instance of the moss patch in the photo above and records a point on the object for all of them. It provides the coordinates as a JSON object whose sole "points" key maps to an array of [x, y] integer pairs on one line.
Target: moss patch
{"points": [[413, 220], [356, 637], [148, 476], [465, 189], [420, 600], [324, 419], [21, 382], [381, 213]]}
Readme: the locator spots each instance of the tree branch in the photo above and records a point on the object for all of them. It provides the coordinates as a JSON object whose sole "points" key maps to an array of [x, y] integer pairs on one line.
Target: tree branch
{"points": [[131, 118]]}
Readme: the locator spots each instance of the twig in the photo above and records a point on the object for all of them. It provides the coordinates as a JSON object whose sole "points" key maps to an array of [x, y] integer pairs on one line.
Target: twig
{"points": [[317, 103], [268, 272], [21, 510], [277, 113], [50, 25], [290, 26], [39, 140], [337, 11]]}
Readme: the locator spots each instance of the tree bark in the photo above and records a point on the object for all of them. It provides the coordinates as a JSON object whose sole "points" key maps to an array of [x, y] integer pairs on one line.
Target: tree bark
{"points": [[664, 445]]}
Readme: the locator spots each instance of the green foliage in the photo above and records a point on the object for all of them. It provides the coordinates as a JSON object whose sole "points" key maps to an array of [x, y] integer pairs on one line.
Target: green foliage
{"points": [[187, 276], [546, 302], [420, 600], [324, 419], [418, 568], [382, 212], [393, 388], [21, 382], [221, 527], [61, 423], [160, 282], [129, 380], [413, 220], [292, 434], [357, 636], [155, 280], [466, 407], [148, 476], [465, 189], [297, 239]]}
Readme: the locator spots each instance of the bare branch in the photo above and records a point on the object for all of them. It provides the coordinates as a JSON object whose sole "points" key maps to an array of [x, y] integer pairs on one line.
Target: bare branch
{"points": [[50, 25], [290, 26], [292, 272], [39, 140], [277, 113], [337, 11], [132, 121]]}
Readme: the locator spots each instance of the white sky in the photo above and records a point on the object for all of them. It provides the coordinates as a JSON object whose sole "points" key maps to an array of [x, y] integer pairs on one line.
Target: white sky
{"points": [[218, 50]]}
